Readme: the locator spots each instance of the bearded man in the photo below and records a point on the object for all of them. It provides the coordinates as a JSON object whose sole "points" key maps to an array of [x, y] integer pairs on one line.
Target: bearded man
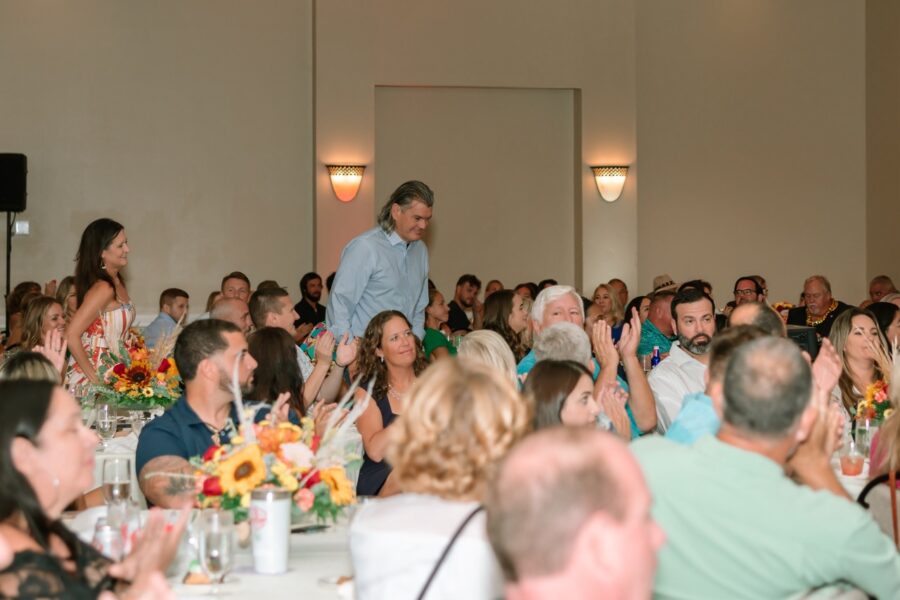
{"points": [[683, 372]]}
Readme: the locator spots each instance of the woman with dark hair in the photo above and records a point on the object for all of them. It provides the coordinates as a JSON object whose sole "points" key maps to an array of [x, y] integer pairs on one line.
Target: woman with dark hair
{"points": [[435, 342], [391, 357], [887, 315], [105, 312], [562, 393], [46, 462], [642, 304], [505, 313], [277, 371]]}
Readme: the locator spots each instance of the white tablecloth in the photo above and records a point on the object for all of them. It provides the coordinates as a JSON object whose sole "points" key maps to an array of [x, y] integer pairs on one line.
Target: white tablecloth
{"points": [[316, 561], [120, 447]]}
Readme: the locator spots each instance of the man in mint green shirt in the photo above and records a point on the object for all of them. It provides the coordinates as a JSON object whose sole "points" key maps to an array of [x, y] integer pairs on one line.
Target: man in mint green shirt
{"points": [[657, 329], [736, 525]]}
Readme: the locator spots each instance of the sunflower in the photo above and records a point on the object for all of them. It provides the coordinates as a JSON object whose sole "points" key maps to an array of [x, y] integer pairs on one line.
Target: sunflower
{"points": [[341, 488], [242, 471], [138, 373]]}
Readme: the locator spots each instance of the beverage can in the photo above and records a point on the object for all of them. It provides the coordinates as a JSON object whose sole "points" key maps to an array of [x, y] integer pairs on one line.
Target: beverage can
{"points": [[270, 524], [654, 359]]}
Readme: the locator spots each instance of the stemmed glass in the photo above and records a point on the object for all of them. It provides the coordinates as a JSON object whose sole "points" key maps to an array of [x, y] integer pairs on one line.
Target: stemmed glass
{"points": [[116, 480], [216, 537], [106, 424]]}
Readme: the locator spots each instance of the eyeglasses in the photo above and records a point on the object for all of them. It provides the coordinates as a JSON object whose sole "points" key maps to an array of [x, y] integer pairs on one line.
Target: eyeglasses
{"points": [[744, 292]]}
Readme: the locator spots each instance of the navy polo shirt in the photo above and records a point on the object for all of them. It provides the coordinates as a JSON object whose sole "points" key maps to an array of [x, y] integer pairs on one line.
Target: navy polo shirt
{"points": [[178, 432]]}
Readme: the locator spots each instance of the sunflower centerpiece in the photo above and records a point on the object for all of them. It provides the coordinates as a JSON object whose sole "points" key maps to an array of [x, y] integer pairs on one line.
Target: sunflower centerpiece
{"points": [[281, 455], [138, 378]]}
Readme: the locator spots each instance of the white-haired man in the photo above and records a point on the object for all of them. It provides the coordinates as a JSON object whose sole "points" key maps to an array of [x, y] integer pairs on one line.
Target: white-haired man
{"points": [[821, 307], [560, 306], [555, 304]]}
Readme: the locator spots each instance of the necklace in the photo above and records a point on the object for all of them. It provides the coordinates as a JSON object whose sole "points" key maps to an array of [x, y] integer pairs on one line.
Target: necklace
{"points": [[813, 321], [216, 433], [394, 394]]}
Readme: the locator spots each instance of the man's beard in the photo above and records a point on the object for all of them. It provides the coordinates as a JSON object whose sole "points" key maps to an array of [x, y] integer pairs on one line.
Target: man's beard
{"points": [[699, 344], [313, 297], [225, 384]]}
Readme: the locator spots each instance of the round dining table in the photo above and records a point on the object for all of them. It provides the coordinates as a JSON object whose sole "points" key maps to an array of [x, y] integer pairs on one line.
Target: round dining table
{"points": [[317, 561]]}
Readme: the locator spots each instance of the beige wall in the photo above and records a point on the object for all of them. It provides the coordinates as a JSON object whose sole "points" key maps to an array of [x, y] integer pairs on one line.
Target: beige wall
{"points": [[584, 45], [882, 131], [501, 160], [188, 122], [751, 142], [192, 123]]}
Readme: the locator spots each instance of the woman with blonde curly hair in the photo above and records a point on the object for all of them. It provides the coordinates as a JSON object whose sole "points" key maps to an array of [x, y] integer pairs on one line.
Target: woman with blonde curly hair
{"points": [[390, 357], [460, 419]]}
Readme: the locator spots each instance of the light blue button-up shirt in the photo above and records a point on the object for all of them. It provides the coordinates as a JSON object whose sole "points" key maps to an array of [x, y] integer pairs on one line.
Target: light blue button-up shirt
{"points": [[378, 271], [162, 325]]}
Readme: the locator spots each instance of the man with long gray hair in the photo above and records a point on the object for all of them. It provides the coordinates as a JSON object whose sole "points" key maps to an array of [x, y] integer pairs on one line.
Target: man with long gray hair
{"points": [[385, 268]]}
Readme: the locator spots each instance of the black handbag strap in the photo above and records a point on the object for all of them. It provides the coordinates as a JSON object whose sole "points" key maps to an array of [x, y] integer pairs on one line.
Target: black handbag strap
{"points": [[447, 549]]}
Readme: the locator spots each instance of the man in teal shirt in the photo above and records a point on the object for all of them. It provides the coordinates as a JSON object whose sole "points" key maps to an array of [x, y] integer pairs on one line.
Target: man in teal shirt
{"points": [[736, 525], [657, 329]]}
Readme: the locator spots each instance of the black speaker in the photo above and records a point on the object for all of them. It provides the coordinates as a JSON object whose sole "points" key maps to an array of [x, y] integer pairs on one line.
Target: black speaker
{"points": [[13, 168]]}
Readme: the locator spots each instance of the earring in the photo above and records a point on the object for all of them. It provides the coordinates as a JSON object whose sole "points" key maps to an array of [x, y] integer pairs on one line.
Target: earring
{"points": [[382, 360], [102, 264]]}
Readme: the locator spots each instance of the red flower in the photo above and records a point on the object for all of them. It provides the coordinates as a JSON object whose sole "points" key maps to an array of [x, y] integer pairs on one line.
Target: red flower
{"points": [[119, 369], [313, 479], [212, 487], [210, 453], [163, 366]]}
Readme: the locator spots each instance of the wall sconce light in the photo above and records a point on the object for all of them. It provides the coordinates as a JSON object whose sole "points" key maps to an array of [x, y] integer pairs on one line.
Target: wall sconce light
{"points": [[610, 181], [345, 180]]}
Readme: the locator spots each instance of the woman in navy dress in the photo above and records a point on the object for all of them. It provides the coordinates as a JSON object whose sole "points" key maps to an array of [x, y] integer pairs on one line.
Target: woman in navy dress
{"points": [[392, 356]]}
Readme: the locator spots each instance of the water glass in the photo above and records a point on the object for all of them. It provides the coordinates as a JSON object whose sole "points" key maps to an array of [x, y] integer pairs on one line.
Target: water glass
{"points": [[216, 537], [116, 480], [106, 424], [865, 432], [88, 413], [137, 420]]}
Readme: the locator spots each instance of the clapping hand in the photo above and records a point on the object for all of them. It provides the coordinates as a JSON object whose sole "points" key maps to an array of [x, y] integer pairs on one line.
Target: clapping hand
{"points": [[612, 399], [321, 414], [601, 340], [156, 546], [54, 349], [631, 336], [827, 368], [281, 410], [324, 346], [346, 351]]}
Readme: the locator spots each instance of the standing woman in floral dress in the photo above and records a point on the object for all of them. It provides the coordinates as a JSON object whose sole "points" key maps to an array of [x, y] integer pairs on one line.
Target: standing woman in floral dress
{"points": [[105, 312]]}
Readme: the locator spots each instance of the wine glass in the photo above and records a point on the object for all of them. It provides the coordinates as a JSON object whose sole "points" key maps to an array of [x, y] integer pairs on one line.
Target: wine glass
{"points": [[116, 480], [106, 424], [216, 537]]}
